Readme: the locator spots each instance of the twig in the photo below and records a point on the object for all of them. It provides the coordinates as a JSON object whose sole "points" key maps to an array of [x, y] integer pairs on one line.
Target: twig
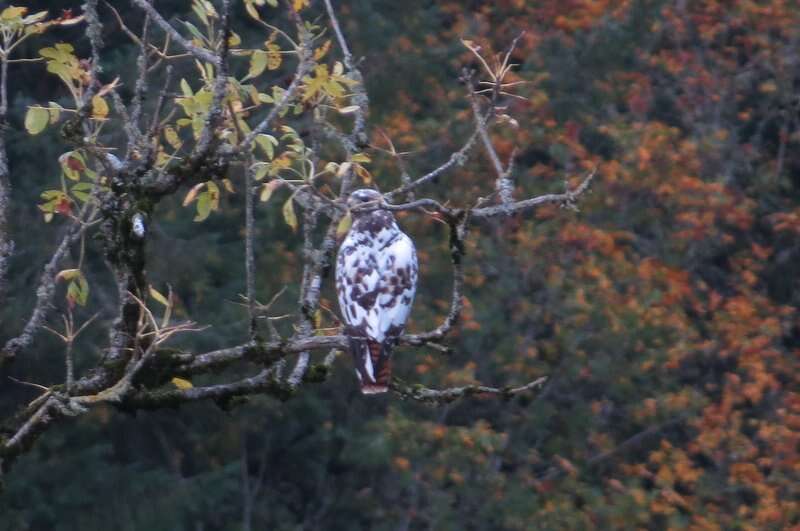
{"points": [[457, 158], [249, 231], [199, 53], [503, 184], [6, 242], [45, 290], [360, 99]]}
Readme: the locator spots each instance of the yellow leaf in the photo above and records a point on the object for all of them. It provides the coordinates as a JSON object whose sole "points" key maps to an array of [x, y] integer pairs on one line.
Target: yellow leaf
{"points": [[362, 172], [299, 4], [268, 188], [172, 137], [320, 52], [99, 107], [181, 383], [344, 226], [274, 58], [768, 86], [251, 10], [288, 213], [192, 195], [158, 296], [68, 274], [361, 157], [344, 167], [55, 112], [13, 12], [316, 83]]}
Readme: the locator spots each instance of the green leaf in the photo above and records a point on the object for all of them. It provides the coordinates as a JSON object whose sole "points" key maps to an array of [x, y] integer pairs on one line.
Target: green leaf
{"points": [[80, 193], [267, 143], [52, 194], [203, 207], [262, 168], [213, 194], [288, 214], [186, 89], [36, 119], [78, 290], [258, 63], [200, 12], [195, 32]]}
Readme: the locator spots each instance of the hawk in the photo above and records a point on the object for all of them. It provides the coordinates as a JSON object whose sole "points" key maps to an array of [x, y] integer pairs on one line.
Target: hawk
{"points": [[376, 279]]}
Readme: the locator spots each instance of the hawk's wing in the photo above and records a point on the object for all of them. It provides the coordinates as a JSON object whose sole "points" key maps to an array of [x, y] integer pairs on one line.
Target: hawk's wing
{"points": [[376, 279], [397, 287]]}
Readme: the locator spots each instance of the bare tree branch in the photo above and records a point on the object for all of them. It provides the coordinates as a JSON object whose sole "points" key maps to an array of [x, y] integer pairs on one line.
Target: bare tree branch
{"points": [[457, 158], [6, 242], [45, 290], [199, 53], [444, 396]]}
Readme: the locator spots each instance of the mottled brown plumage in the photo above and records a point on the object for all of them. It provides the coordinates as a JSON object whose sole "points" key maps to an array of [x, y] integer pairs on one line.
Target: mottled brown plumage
{"points": [[376, 279]]}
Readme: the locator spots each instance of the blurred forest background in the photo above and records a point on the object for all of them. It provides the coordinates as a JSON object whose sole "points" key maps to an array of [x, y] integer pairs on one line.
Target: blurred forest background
{"points": [[665, 312]]}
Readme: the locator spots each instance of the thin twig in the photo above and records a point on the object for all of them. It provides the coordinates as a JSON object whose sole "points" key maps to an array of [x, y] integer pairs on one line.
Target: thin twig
{"points": [[199, 53]]}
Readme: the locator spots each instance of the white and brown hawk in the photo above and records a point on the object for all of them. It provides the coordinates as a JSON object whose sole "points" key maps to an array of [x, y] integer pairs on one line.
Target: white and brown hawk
{"points": [[376, 279]]}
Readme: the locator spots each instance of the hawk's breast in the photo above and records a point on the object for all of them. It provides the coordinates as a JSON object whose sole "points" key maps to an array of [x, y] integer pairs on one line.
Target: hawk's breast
{"points": [[376, 277]]}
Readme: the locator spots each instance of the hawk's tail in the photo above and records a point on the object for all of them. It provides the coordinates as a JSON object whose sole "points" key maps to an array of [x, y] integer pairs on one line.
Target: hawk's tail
{"points": [[373, 364]]}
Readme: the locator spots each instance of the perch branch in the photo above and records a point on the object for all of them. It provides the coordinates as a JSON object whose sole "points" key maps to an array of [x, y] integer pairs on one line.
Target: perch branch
{"points": [[444, 396]]}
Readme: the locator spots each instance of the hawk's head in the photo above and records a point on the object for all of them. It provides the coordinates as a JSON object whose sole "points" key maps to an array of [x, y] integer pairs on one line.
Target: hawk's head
{"points": [[364, 200]]}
